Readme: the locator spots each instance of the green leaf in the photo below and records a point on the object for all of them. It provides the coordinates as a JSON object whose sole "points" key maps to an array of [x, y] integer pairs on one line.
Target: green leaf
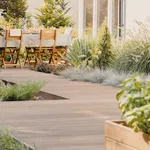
{"points": [[120, 94]]}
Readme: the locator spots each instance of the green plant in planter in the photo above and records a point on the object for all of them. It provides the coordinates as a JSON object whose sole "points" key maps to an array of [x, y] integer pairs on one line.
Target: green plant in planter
{"points": [[134, 103]]}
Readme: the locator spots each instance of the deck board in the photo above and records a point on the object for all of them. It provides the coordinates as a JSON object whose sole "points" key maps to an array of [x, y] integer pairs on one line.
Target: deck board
{"points": [[75, 124]]}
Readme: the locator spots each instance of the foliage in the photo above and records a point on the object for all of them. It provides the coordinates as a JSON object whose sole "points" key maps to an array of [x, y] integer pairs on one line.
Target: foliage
{"points": [[44, 67], [59, 68], [4, 4], [134, 55], [20, 92], [83, 53], [14, 11], [5, 24], [26, 22], [134, 103], [88, 31], [54, 14], [104, 45], [8, 143], [105, 77], [1, 30]]}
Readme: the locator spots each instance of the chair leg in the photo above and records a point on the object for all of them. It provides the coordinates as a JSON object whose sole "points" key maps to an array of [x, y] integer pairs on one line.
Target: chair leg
{"points": [[25, 61], [41, 57], [60, 53], [51, 57], [36, 59], [18, 57], [19, 62], [3, 62], [66, 54]]}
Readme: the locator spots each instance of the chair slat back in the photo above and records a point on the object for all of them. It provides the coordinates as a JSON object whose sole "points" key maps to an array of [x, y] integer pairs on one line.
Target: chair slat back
{"points": [[9, 37], [48, 34]]}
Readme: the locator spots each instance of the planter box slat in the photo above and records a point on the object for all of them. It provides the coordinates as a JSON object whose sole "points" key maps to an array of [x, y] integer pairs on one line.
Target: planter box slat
{"points": [[114, 130], [114, 145]]}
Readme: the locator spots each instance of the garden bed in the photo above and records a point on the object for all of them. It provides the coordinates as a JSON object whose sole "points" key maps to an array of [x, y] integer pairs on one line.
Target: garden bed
{"points": [[41, 95], [120, 137]]}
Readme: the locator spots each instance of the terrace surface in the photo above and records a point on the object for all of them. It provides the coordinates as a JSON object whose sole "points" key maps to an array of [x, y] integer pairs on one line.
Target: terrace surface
{"points": [[73, 124]]}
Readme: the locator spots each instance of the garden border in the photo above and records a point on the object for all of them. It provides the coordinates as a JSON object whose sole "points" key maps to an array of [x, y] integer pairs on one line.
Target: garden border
{"points": [[25, 145]]}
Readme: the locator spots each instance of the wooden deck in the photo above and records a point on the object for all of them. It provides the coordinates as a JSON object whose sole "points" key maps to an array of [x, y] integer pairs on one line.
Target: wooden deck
{"points": [[74, 124]]}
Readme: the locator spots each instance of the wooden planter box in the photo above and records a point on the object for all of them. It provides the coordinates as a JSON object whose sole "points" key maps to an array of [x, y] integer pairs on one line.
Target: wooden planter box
{"points": [[120, 137]]}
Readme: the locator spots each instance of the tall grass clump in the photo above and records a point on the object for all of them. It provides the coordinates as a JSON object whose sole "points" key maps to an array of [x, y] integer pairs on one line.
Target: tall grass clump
{"points": [[104, 44], [135, 53], [83, 53], [20, 92], [8, 143]]}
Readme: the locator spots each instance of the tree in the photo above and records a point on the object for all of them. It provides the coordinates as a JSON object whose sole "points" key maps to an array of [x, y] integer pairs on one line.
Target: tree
{"points": [[13, 10], [104, 45], [54, 13]]}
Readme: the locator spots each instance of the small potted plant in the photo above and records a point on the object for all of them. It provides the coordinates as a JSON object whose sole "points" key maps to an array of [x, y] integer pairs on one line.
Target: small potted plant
{"points": [[134, 131]]}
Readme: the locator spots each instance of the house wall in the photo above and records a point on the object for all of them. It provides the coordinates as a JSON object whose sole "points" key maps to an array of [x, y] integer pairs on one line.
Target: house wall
{"points": [[136, 10], [74, 10], [33, 5]]}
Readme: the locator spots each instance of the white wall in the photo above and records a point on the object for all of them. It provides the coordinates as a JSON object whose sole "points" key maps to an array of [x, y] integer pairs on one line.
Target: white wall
{"points": [[136, 10], [33, 5], [74, 10]]}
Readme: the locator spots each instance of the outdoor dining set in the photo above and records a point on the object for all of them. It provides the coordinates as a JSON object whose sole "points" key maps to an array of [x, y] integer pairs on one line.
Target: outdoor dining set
{"points": [[45, 45]]}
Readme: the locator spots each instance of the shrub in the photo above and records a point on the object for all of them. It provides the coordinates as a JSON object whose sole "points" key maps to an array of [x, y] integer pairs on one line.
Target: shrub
{"points": [[20, 92], [15, 11], [5, 24], [104, 45], [135, 53], [59, 68], [54, 14], [83, 53], [134, 103], [105, 77], [134, 57], [74, 74], [44, 67]]}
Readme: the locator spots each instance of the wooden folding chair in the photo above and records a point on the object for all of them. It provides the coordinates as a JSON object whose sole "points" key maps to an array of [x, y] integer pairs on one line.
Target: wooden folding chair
{"points": [[12, 52], [42, 51], [61, 51]]}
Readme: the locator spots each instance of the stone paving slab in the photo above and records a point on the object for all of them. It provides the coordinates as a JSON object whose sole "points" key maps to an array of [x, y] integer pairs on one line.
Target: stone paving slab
{"points": [[75, 124]]}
